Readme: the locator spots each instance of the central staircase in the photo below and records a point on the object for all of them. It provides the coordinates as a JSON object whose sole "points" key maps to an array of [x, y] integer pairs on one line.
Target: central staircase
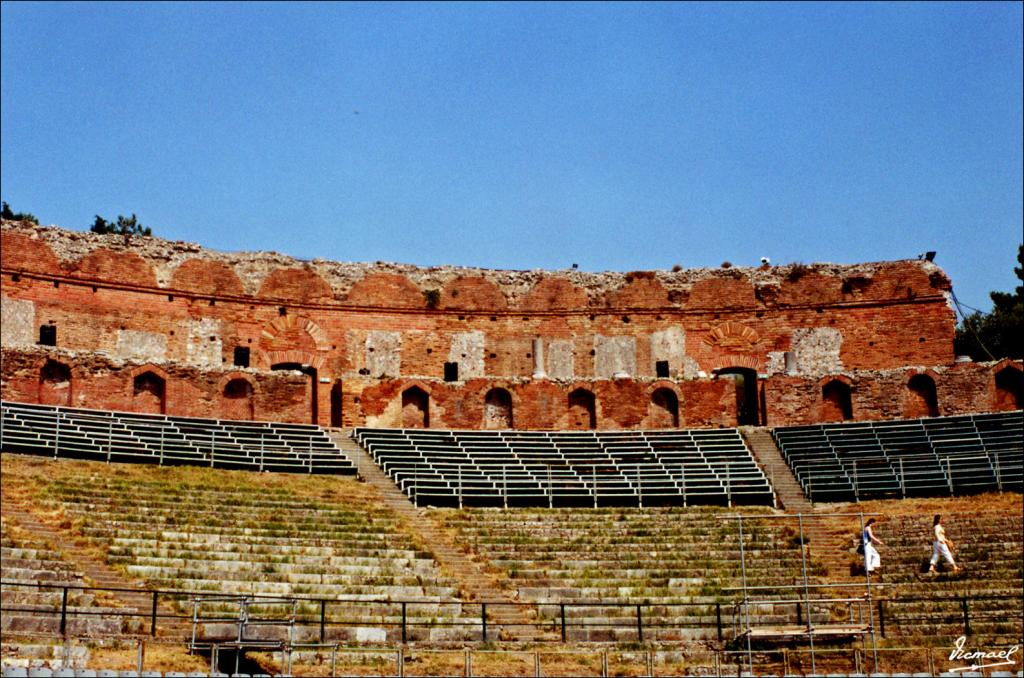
{"points": [[512, 621]]}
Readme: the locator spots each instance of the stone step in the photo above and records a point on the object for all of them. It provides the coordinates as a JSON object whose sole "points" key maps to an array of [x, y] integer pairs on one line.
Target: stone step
{"points": [[333, 566], [337, 591]]}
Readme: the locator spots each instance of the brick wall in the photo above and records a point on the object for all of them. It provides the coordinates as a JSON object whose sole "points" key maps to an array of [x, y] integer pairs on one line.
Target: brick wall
{"points": [[378, 329]]}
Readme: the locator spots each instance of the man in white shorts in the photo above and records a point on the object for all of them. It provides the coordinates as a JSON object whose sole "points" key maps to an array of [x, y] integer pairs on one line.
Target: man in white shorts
{"points": [[942, 546]]}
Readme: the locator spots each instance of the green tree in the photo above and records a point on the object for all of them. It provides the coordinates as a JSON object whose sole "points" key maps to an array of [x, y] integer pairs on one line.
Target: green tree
{"points": [[999, 334], [10, 215], [123, 226]]}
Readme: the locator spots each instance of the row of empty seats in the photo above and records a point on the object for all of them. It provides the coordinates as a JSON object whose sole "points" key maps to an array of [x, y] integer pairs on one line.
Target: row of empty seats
{"points": [[584, 468], [153, 438], [917, 457]]}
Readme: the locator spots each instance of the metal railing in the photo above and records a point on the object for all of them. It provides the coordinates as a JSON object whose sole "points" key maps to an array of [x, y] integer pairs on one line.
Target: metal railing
{"points": [[558, 621]]}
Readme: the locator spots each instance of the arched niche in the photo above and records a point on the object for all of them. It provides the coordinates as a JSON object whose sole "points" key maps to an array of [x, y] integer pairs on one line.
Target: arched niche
{"points": [[149, 393], [922, 400], [1009, 389], [664, 409], [582, 410], [415, 408], [55, 384], [238, 399], [836, 401], [498, 409]]}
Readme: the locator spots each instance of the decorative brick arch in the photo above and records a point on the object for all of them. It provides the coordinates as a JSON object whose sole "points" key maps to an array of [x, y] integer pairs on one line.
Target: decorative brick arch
{"points": [[306, 358], [730, 344], [280, 328], [724, 362], [733, 336]]}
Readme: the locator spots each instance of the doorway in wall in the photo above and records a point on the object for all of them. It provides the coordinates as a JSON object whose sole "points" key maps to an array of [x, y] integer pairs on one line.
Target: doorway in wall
{"points": [[336, 405], [748, 409], [311, 373]]}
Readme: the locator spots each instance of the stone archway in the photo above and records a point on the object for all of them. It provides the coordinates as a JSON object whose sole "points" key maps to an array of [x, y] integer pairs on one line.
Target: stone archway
{"points": [[748, 409], [311, 372]]}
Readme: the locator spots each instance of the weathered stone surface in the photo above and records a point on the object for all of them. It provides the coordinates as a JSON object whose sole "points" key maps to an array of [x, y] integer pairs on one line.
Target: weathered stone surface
{"points": [[669, 345], [614, 357], [18, 324], [141, 346], [383, 353], [560, 359], [818, 350], [204, 342], [467, 350]]}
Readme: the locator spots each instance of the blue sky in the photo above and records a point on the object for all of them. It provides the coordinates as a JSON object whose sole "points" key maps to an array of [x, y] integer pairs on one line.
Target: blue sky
{"points": [[615, 136]]}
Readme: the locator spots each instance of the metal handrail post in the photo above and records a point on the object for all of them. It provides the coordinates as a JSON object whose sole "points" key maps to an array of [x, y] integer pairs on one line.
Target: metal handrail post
{"points": [[682, 481], [728, 493], [551, 499], [903, 480], [639, 488], [746, 603], [856, 484], [64, 612], [152, 621], [807, 589]]}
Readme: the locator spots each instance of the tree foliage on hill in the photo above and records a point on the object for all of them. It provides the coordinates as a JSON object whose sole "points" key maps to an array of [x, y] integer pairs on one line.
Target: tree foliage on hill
{"points": [[999, 334], [123, 226], [10, 215]]}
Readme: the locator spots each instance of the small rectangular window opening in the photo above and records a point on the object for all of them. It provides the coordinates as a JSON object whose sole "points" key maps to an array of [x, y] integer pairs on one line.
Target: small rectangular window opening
{"points": [[451, 371], [661, 369], [47, 335], [242, 356]]}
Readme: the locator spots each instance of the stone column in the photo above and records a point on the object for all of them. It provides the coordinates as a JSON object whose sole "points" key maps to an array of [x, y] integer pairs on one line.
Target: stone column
{"points": [[538, 359]]}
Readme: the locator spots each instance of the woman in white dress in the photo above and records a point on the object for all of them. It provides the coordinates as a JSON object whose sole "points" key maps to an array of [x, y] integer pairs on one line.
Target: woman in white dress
{"points": [[942, 546], [872, 561]]}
